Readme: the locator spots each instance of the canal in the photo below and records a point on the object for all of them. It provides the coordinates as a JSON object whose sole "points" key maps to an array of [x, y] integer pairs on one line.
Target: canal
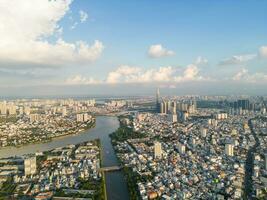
{"points": [[115, 183]]}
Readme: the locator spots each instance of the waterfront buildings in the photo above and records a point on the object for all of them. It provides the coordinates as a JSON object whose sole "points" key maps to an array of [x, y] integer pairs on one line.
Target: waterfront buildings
{"points": [[30, 166]]}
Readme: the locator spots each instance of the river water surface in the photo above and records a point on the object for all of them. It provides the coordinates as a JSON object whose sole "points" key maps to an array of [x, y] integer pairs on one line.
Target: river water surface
{"points": [[115, 183]]}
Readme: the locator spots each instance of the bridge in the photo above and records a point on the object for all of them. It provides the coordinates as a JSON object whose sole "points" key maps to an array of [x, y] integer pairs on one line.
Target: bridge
{"points": [[109, 169]]}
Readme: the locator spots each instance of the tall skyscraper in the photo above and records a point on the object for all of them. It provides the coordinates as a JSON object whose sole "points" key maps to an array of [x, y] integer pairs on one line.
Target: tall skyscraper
{"points": [[157, 150], [158, 101], [243, 103]]}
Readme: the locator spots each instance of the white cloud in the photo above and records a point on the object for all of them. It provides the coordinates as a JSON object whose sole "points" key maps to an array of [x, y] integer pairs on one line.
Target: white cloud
{"points": [[127, 74], [80, 80], [263, 51], [123, 72], [244, 75], [191, 73], [201, 61], [238, 59], [240, 75], [83, 16], [24, 30], [158, 51]]}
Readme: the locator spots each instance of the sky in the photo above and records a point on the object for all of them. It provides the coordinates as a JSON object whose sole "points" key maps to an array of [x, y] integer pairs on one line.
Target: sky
{"points": [[114, 47]]}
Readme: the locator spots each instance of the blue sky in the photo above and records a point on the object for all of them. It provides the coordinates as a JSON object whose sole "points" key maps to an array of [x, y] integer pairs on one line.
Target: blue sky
{"points": [[136, 42], [215, 29]]}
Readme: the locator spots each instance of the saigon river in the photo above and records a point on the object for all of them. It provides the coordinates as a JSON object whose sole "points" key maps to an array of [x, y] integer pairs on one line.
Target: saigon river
{"points": [[116, 185]]}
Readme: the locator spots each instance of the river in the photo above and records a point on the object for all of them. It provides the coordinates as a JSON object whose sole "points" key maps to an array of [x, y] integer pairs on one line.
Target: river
{"points": [[115, 183]]}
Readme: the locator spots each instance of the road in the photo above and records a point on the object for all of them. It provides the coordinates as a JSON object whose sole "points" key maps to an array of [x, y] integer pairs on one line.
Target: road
{"points": [[250, 161]]}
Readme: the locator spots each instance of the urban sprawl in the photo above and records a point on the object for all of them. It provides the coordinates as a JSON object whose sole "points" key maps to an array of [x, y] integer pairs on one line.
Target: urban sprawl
{"points": [[168, 147]]}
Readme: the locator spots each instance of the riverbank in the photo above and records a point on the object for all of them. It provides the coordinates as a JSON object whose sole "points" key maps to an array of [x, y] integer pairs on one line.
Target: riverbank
{"points": [[72, 173], [104, 188], [88, 127], [116, 186], [122, 134]]}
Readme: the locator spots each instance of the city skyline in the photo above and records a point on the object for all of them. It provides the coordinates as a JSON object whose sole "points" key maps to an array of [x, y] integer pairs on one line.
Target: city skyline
{"points": [[75, 47]]}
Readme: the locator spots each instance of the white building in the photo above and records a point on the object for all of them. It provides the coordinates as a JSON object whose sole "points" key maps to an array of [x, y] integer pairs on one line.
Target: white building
{"points": [[30, 166], [172, 118], [3, 108], [157, 150], [83, 117], [34, 118], [229, 149]]}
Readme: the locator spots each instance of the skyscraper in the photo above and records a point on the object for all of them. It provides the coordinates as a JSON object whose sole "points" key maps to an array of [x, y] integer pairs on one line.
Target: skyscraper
{"points": [[158, 101], [243, 103]]}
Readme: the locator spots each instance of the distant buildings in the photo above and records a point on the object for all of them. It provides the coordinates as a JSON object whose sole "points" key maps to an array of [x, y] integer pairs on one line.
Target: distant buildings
{"points": [[34, 118], [30, 166], [64, 111], [158, 104], [117, 103], [7, 108], [83, 117], [3, 108]]}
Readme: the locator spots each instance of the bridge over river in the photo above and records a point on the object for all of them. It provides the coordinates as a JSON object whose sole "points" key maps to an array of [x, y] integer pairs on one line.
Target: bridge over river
{"points": [[109, 169]]}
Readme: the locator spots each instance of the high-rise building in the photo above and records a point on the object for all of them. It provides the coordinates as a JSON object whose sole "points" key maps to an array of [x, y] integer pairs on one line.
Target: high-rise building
{"points": [[243, 103], [30, 166], [157, 150], [164, 107], [173, 118], [158, 104], [83, 117], [229, 149], [12, 110], [174, 107], [64, 111], [3, 108], [34, 118], [181, 148]]}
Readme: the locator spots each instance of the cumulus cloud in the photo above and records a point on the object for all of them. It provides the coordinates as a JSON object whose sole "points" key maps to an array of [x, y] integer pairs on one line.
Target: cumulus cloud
{"points": [[83, 16], [191, 73], [123, 72], [240, 75], [128, 74], [238, 59], [158, 51], [25, 29], [244, 75], [263, 51]]}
